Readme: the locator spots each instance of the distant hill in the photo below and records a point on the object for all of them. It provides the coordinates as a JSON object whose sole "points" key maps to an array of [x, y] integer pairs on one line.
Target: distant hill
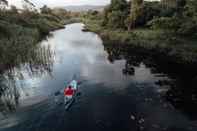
{"points": [[84, 8]]}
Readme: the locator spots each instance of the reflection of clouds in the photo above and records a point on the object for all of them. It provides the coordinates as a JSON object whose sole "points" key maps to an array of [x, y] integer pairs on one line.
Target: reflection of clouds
{"points": [[106, 73], [29, 84], [6, 123], [28, 87], [24, 80], [111, 74], [143, 74], [85, 51], [72, 45], [93, 59], [78, 52]]}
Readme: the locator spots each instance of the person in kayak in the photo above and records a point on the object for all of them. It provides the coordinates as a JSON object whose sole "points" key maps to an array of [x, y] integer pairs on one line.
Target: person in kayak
{"points": [[74, 84], [69, 91]]}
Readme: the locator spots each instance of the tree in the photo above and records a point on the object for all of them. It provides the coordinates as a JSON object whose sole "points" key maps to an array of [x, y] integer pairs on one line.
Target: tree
{"points": [[116, 19], [61, 12], [115, 14], [28, 5], [118, 5], [3, 4], [29, 2], [189, 19], [136, 12], [45, 10], [169, 3], [191, 9], [13, 9], [180, 4]]}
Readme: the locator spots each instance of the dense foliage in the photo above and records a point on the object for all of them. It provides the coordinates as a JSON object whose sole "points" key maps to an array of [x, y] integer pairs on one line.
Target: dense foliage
{"points": [[176, 16], [20, 31], [167, 26], [115, 14]]}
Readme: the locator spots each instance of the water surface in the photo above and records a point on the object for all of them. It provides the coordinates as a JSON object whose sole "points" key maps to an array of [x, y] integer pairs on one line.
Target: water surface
{"points": [[120, 89]]}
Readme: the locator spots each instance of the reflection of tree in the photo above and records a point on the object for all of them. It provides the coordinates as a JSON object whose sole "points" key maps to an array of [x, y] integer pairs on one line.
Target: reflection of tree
{"points": [[113, 53], [120, 52], [182, 93], [129, 70], [38, 61], [9, 94], [41, 61]]}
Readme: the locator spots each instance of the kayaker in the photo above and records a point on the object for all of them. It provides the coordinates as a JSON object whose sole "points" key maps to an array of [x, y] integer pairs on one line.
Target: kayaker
{"points": [[74, 84], [69, 92]]}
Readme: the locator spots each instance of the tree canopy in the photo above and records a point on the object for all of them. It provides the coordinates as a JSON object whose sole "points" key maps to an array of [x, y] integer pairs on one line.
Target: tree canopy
{"points": [[45, 10], [136, 12], [116, 13]]}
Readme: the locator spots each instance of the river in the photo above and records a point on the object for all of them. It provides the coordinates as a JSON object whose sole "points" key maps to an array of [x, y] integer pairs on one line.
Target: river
{"points": [[120, 89]]}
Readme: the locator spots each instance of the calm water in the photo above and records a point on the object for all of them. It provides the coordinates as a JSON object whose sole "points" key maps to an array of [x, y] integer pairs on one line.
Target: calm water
{"points": [[121, 89]]}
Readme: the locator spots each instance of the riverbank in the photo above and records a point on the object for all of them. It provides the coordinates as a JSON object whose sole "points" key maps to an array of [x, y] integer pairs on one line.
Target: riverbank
{"points": [[21, 32], [180, 51]]}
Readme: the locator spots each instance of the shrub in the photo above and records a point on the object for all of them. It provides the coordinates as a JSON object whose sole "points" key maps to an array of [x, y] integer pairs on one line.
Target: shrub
{"points": [[165, 23]]}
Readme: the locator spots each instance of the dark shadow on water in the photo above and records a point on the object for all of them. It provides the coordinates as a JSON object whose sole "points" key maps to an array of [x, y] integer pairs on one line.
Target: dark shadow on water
{"points": [[182, 91]]}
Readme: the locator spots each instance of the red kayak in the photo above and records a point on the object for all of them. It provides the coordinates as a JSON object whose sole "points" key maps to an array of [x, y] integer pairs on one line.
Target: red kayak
{"points": [[69, 93]]}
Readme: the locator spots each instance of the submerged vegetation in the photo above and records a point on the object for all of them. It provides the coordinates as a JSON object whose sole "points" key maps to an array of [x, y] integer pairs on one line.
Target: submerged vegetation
{"points": [[165, 27]]}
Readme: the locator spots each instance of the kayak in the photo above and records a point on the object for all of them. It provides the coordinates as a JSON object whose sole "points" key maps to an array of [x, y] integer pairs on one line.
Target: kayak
{"points": [[70, 99]]}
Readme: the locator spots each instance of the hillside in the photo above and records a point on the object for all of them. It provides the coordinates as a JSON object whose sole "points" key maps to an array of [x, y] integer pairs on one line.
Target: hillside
{"points": [[84, 8]]}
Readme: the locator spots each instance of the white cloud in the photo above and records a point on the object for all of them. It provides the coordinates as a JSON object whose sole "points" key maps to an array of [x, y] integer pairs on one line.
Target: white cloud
{"points": [[54, 3]]}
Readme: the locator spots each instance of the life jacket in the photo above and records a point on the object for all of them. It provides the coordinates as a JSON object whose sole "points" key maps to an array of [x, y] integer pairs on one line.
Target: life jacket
{"points": [[68, 91]]}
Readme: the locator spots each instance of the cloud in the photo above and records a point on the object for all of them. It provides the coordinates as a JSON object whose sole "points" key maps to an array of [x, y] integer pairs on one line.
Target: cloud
{"points": [[54, 3]]}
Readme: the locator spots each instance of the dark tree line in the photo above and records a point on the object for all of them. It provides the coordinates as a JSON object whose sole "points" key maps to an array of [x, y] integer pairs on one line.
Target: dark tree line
{"points": [[177, 15]]}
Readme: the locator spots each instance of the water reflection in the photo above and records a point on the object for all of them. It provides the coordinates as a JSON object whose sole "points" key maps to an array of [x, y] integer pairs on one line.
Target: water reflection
{"points": [[8, 93], [183, 96], [38, 61], [123, 88], [177, 88]]}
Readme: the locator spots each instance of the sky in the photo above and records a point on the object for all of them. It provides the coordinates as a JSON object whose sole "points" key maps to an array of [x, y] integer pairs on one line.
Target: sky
{"points": [[55, 3]]}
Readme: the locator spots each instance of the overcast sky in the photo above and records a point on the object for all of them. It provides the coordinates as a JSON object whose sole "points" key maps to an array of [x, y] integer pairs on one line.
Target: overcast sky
{"points": [[54, 3]]}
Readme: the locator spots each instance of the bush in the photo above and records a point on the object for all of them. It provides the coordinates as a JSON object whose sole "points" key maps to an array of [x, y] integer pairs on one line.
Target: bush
{"points": [[188, 28], [165, 23], [20, 32], [115, 14], [116, 19]]}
